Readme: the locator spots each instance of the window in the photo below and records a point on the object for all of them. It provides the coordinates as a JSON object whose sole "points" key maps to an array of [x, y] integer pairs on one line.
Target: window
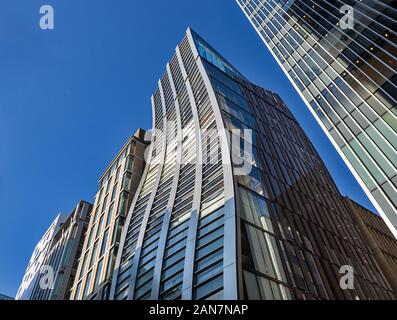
{"points": [[93, 256], [110, 215], [100, 225], [123, 204], [210, 237], [110, 263], [87, 285], [253, 181], [104, 204], [260, 288], [98, 274], [104, 243], [117, 174], [114, 192], [205, 219], [174, 258], [126, 181], [173, 269], [207, 261], [261, 252], [205, 250], [173, 281], [83, 266], [108, 185], [209, 288], [254, 209], [130, 163], [117, 231], [210, 227], [77, 294], [209, 272], [236, 111], [90, 236]]}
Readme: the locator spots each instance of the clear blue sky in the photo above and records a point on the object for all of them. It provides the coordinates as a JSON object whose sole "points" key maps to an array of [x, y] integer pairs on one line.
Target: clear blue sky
{"points": [[70, 97]]}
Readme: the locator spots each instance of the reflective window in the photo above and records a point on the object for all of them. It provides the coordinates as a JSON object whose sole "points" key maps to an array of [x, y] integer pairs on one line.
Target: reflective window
{"points": [[254, 209]]}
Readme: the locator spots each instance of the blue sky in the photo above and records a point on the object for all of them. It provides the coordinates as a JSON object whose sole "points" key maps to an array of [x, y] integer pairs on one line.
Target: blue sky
{"points": [[70, 97]]}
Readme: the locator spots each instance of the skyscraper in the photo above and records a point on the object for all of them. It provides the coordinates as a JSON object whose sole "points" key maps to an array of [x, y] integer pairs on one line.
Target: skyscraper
{"points": [[235, 203], [36, 262], [341, 57], [62, 257], [117, 186]]}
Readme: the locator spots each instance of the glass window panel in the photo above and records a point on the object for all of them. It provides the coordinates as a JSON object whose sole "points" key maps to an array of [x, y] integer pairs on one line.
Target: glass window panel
{"points": [[209, 287], [77, 294], [368, 162], [110, 215], [104, 243], [209, 237], [87, 285], [255, 209], [214, 257], [174, 258], [93, 256], [213, 225], [251, 286], [98, 275], [253, 181], [209, 248]]}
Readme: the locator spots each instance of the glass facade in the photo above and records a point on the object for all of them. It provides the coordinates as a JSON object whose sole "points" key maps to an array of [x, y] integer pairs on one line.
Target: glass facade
{"points": [[346, 76], [117, 188], [197, 229]]}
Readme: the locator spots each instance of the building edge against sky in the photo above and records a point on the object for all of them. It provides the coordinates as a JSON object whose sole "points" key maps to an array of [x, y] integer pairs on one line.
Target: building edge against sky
{"points": [[52, 269], [62, 257], [347, 78], [195, 230], [40, 252]]}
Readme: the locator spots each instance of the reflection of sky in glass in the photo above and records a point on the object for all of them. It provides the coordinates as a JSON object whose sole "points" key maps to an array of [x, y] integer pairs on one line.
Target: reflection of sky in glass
{"points": [[211, 55]]}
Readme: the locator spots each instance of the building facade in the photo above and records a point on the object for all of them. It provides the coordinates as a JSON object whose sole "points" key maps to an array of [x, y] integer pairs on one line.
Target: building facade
{"points": [[378, 238], [62, 257], [341, 57], [235, 203], [34, 268], [117, 188], [4, 297]]}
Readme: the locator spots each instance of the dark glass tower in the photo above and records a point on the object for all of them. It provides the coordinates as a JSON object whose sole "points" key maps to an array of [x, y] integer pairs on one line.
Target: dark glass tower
{"points": [[212, 220], [341, 57]]}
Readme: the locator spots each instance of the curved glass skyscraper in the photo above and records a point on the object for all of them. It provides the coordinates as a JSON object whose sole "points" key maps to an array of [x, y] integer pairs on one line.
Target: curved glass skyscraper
{"points": [[234, 202], [341, 56]]}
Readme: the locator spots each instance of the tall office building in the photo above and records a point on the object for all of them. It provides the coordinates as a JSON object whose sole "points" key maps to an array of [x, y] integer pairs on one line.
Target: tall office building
{"points": [[212, 220], [34, 268], [378, 238], [341, 57], [117, 187], [62, 256], [4, 297]]}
